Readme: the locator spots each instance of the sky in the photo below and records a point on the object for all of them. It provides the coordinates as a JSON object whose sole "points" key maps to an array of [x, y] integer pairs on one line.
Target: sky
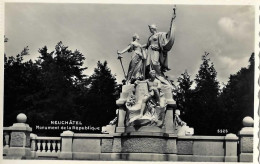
{"points": [[99, 30]]}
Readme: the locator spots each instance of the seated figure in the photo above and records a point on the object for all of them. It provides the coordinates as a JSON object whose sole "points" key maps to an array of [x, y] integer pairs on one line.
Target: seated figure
{"points": [[154, 93], [152, 104]]}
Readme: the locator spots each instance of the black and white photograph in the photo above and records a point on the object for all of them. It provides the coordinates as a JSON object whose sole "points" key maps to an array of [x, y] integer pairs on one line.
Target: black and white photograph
{"points": [[174, 82]]}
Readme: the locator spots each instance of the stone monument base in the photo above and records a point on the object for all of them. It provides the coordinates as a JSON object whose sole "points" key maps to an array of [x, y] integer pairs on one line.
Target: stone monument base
{"points": [[145, 146], [133, 146], [144, 157], [18, 153]]}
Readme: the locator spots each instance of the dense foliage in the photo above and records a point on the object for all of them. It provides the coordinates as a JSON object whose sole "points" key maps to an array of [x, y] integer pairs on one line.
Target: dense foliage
{"points": [[54, 88], [211, 110]]}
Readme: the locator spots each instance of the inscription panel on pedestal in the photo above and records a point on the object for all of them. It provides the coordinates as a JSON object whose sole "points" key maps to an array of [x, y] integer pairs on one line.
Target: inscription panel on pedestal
{"points": [[144, 145]]}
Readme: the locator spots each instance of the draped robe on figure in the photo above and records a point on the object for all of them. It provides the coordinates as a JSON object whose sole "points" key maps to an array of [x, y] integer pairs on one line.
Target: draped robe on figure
{"points": [[157, 55]]}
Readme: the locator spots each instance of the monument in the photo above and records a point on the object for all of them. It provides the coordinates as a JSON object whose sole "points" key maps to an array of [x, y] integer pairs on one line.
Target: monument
{"points": [[146, 98], [146, 123]]}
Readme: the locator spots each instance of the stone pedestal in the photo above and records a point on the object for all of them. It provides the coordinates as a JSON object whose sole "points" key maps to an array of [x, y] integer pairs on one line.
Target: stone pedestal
{"points": [[144, 142], [246, 140], [171, 106], [126, 89], [121, 120], [66, 148], [33, 145], [144, 146], [19, 139], [169, 126], [231, 148], [141, 89]]}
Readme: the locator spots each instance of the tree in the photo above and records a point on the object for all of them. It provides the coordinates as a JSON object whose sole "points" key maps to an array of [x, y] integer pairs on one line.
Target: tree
{"points": [[183, 96], [205, 98], [20, 83], [46, 90], [101, 97], [61, 77], [238, 97]]}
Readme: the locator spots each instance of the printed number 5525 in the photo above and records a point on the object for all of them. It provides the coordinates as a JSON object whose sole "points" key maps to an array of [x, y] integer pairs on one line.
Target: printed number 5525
{"points": [[222, 131]]}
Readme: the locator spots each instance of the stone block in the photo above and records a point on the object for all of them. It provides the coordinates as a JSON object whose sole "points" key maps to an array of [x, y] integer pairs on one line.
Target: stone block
{"points": [[169, 127], [143, 157], [198, 158], [143, 145], [91, 145], [65, 155], [116, 156], [246, 145], [66, 144], [67, 141], [18, 139], [33, 154], [231, 148], [106, 145], [171, 157], [171, 147], [185, 147], [105, 156], [246, 157], [231, 159], [19, 127], [117, 147], [120, 129], [208, 148], [246, 131], [18, 153], [121, 120], [45, 154], [185, 158], [86, 156]]}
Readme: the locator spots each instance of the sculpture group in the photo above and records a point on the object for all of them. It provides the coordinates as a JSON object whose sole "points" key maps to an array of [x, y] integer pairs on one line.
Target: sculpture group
{"points": [[146, 102], [150, 56]]}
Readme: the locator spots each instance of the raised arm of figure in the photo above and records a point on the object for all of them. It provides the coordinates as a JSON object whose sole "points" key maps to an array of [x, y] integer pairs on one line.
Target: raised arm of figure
{"points": [[170, 35], [144, 46], [124, 50], [172, 27]]}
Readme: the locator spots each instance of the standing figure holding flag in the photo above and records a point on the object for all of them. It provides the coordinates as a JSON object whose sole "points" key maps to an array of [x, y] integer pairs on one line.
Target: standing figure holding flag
{"points": [[158, 45], [136, 66]]}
